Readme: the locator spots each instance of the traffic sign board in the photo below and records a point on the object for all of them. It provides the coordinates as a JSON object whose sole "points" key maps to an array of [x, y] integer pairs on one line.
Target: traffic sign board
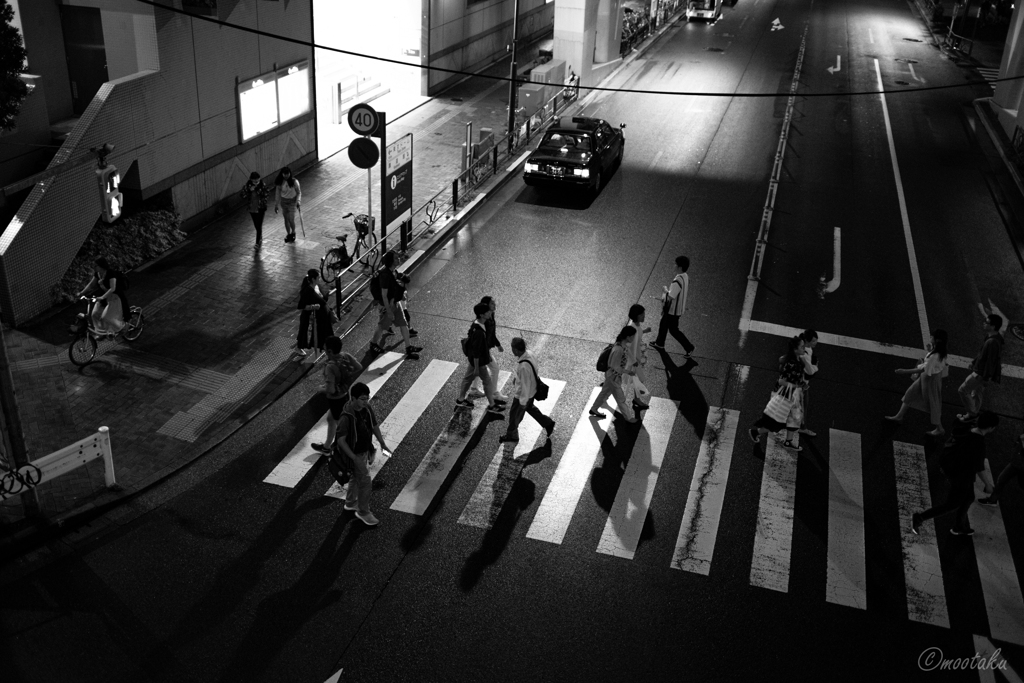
{"points": [[363, 153], [362, 119]]}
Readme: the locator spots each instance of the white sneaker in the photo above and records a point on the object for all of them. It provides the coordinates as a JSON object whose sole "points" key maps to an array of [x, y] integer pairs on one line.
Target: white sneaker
{"points": [[351, 507], [368, 519], [475, 393]]}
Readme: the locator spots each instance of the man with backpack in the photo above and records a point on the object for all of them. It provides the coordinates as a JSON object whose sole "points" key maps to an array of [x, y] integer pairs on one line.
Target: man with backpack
{"points": [[963, 458], [479, 356], [526, 387], [385, 291], [356, 429], [339, 372], [673, 305], [986, 369]]}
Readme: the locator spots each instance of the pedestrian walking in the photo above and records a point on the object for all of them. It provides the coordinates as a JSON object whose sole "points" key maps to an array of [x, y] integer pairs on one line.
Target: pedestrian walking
{"points": [[963, 458], [479, 357], [1013, 470], [637, 357], [356, 427], [986, 369], [784, 410], [673, 306], [523, 393], [618, 367], [256, 193], [340, 370], [390, 311], [313, 304], [289, 198], [925, 393], [492, 343], [810, 338]]}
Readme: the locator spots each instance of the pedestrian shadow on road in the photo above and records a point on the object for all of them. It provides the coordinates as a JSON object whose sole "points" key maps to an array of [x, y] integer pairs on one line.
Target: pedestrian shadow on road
{"points": [[519, 499], [683, 389], [606, 480]]}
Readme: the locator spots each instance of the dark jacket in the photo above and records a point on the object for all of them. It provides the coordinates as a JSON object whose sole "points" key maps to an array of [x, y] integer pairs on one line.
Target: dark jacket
{"points": [[260, 190], [988, 364], [476, 347]]}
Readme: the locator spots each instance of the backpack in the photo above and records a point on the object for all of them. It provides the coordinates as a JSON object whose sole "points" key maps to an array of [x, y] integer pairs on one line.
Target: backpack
{"points": [[602, 360], [467, 345], [337, 464], [375, 290], [542, 389]]}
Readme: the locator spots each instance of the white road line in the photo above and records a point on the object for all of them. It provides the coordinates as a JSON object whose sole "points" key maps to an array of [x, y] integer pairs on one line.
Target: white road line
{"points": [[556, 509], [843, 341], [773, 541], [837, 263], [846, 578], [993, 658], [871, 37], [657, 157], [405, 414], [487, 500], [695, 545], [439, 460], [302, 457], [914, 74], [999, 581], [633, 498], [911, 253], [926, 596]]}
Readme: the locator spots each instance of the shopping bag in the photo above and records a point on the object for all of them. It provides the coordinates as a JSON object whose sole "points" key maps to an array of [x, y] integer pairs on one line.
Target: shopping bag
{"points": [[642, 392], [779, 405]]}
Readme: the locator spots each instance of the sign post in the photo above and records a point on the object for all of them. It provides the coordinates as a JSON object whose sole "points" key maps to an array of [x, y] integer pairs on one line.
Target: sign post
{"points": [[396, 195], [365, 120]]}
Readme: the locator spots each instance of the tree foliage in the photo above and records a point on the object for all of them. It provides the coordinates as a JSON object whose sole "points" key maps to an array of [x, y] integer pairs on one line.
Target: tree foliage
{"points": [[12, 64]]}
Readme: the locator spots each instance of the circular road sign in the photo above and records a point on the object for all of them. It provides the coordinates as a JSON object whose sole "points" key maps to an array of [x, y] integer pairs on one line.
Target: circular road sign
{"points": [[362, 119], [363, 153]]}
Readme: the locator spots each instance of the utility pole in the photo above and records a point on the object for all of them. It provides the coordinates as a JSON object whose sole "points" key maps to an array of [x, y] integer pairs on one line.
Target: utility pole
{"points": [[513, 75]]}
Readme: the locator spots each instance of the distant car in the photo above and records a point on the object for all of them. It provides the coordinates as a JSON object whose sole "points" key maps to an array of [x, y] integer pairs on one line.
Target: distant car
{"points": [[709, 10], [576, 152]]}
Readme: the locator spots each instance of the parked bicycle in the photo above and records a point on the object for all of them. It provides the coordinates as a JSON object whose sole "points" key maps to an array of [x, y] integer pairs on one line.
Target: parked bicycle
{"points": [[15, 480], [85, 338], [337, 258]]}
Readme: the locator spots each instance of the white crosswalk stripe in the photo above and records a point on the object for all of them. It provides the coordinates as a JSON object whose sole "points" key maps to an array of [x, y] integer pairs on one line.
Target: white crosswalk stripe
{"points": [[436, 465], [999, 581], [926, 597], [708, 499], [633, 499], [846, 579], [302, 456], [404, 415], [489, 496], [695, 544]]}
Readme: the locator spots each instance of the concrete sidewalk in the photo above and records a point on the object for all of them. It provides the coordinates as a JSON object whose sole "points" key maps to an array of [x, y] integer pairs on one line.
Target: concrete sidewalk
{"points": [[221, 324]]}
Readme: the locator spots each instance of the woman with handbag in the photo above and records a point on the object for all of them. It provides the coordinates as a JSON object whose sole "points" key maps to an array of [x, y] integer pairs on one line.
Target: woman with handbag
{"points": [[784, 408], [618, 368], [925, 393], [314, 304]]}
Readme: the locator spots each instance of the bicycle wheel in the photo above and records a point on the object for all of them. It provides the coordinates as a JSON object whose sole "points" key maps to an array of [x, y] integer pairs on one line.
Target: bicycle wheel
{"points": [[331, 266], [82, 350], [133, 328], [369, 257]]}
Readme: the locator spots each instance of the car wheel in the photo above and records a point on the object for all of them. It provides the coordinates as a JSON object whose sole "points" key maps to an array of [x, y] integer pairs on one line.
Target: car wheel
{"points": [[618, 159], [597, 184]]}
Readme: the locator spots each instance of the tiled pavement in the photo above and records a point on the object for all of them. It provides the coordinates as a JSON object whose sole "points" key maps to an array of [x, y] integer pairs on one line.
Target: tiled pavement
{"points": [[221, 323]]}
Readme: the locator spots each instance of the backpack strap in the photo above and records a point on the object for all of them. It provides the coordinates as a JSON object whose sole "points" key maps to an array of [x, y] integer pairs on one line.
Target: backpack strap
{"points": [[536, 377]]}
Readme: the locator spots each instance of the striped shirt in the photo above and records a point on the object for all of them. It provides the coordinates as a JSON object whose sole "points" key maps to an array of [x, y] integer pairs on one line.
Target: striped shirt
{"points": [[677, 294]]}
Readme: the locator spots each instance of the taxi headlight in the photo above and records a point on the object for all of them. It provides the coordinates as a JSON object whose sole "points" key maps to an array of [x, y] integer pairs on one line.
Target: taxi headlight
{"points": [[532, 168], [581, 172]]}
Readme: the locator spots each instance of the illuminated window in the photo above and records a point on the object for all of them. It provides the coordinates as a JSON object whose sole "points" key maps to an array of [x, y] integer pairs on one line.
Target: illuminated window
{"points": [[269, 100]]}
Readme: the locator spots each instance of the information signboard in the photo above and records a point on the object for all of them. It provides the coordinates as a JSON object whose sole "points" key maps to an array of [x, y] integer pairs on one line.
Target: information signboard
{"points": [[397, 204]]}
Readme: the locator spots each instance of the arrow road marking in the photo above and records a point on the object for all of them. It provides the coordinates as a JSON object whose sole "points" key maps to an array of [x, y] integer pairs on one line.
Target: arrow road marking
{"points": [[992, 308], [833, 284], [777, 25], [914, 74], [835, 69]]}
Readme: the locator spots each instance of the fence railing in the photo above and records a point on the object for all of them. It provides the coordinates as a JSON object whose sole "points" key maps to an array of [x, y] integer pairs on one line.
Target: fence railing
{"points": [[441, 208], [61, 462]]}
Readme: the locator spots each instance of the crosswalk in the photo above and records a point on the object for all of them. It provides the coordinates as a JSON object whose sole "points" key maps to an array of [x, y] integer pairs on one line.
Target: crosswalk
{"points": [[989, 74], [650, 448]]}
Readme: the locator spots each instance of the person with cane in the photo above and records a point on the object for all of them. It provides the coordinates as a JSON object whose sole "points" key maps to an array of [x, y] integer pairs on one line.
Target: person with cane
{"points": [[289, 198]]}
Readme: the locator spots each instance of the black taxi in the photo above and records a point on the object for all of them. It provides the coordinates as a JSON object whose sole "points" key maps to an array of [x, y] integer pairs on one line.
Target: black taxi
{"points": [[576, 152]]}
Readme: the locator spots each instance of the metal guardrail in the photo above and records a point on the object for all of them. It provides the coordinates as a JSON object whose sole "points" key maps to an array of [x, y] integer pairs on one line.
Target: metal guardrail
{"points": [[437, 211], [65, 460]]}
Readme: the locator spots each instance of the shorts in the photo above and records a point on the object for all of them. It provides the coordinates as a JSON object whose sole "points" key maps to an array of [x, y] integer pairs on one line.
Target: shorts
{"points": [[335, 405], [386, 317]]}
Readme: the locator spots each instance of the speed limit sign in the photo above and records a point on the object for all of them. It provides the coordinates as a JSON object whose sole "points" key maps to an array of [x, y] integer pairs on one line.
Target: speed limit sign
{"points": [[362, 119]]}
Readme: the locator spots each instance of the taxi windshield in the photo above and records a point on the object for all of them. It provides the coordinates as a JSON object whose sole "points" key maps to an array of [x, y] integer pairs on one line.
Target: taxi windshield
{"points": [[579, 143]]}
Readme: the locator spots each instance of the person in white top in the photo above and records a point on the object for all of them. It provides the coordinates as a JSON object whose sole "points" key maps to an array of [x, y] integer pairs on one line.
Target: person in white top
{"points": [[674, 304], [289, 198], [637, 355], [925, 394], [524, 390]]}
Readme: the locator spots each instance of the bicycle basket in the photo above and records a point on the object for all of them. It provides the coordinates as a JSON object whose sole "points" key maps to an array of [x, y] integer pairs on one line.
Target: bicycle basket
{"points": [[364, 224], [78, 325]]}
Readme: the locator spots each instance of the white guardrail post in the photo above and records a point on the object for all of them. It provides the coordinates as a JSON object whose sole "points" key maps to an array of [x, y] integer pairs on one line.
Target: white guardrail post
{"points": [[74, 456]]}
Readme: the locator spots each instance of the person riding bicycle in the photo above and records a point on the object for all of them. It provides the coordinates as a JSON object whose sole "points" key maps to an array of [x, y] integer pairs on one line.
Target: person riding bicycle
{"points": [[107, 312]]}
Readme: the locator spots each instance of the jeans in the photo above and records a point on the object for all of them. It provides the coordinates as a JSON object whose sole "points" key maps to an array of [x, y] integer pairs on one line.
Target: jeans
{"points": [[485, 376], [361, 484], [960, 498], [257, 222], [670, 325], [516, 413], [288, 210], [972, 392]]}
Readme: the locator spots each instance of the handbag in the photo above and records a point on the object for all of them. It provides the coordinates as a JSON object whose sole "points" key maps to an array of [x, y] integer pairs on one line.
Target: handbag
{"points": [[642, 392], [542, 389], [780, 404], [337, 466]]}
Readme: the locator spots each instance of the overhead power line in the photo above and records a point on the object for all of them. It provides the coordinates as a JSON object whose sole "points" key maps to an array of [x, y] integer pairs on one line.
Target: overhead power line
{"points": [[596, 88]]}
